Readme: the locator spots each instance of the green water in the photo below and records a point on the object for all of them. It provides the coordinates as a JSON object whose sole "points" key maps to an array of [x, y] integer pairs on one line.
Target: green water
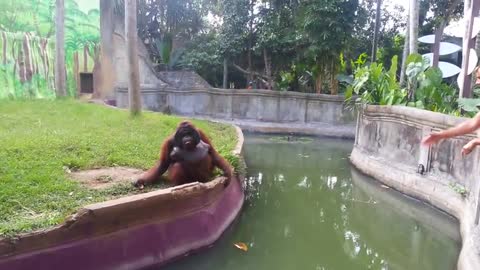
{"points": [[307, 208]]}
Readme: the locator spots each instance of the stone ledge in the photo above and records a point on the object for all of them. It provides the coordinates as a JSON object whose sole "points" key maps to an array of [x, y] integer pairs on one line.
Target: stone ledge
{"points": [[411, 116], [152, 88]]}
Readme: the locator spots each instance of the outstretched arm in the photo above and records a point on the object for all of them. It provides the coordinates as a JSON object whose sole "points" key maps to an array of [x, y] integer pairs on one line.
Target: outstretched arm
{"points": [[461, 129], [160, 167], [221, 163]]}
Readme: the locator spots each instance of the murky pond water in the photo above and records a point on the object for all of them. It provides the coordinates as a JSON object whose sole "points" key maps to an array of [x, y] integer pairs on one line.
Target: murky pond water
{"points": [[308, 208]]}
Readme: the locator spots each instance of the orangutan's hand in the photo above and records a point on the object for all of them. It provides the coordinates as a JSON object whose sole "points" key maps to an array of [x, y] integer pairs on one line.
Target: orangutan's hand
{"points": [[139, 183]]}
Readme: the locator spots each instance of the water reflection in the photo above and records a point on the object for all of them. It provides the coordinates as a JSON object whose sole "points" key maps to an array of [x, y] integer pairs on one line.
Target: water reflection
{"points": [[307, 208]]}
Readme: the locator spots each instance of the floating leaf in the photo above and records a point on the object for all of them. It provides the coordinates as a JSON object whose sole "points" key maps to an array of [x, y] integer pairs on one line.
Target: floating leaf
{"points": [[241, 245]]}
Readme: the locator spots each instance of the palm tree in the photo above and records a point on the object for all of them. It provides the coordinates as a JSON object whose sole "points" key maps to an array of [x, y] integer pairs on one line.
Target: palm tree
{"points": [[405, 55], [60, 76], [375, 33], [413, 25], [132, 56]]}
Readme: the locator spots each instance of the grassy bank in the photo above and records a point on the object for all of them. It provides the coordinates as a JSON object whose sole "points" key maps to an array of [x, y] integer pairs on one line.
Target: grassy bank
{"points": [[40, 140]]}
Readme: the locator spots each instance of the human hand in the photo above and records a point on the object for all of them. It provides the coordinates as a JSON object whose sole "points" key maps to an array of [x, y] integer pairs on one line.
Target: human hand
{"points": [[433, 138], [468, 148]]}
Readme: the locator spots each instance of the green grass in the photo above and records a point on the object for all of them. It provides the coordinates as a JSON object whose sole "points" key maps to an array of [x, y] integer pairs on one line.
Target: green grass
{"points": [[40, 139]]}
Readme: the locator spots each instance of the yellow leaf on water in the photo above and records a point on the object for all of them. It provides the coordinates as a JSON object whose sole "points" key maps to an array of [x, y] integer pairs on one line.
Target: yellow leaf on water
{"points": [[241, 246]]}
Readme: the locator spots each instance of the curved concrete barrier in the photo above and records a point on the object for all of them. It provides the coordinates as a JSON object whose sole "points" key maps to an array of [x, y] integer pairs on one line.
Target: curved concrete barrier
{"points": [[132, 232], [387, 147]]}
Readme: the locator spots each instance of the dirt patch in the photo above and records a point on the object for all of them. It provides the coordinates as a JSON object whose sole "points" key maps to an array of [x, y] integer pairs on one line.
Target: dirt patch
{"points": [[106, 177]]}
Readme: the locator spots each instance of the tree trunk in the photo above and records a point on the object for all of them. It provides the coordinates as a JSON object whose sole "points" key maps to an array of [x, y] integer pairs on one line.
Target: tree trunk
{"points": [[97, 74], [21, 64], [477, 44], [85, 58], [132, 55], [268, 69], [413, 40], [225, 72], [250, 44], [251, 73], [14, 57], [413, 19], [104, 87], [436, 44], [439, 32], [319, 80], [249, 68], [28, 58], [375, 33], [60, 76], [4, 47], [333, 80], [466, 7], [76, 72], [470, 12], [405, 56], [44, 57], [35, 57]]}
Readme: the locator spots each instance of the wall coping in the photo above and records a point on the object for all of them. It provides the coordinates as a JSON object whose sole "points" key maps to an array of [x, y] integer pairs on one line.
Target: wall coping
{"points": [[151, 88], [413, 115], [99, 219]]}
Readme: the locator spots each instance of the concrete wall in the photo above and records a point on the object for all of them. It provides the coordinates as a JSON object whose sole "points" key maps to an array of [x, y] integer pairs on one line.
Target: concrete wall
{"points": [[387, 147], [255, 105], [111, 70], [183, 79]]}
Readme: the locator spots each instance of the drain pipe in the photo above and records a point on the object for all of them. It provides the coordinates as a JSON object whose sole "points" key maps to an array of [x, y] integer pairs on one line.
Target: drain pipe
{"points": [[424, 158], [358, 106]]}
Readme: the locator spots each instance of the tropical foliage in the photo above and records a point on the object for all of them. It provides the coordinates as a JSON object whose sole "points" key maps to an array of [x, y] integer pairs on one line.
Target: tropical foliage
{"points": [[373, 84], [278, 44]]}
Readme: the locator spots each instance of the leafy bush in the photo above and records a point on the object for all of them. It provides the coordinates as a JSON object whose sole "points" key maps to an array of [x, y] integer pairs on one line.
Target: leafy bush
{"points": [[425, 88], [430, 92], [374, 85]]}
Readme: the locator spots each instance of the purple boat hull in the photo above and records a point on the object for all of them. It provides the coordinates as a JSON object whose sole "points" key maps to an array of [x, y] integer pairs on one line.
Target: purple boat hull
{"points": [[149, 242]]}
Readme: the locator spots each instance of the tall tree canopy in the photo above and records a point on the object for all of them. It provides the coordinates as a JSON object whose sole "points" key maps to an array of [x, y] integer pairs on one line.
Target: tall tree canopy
{"points": [[325, 38]]}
